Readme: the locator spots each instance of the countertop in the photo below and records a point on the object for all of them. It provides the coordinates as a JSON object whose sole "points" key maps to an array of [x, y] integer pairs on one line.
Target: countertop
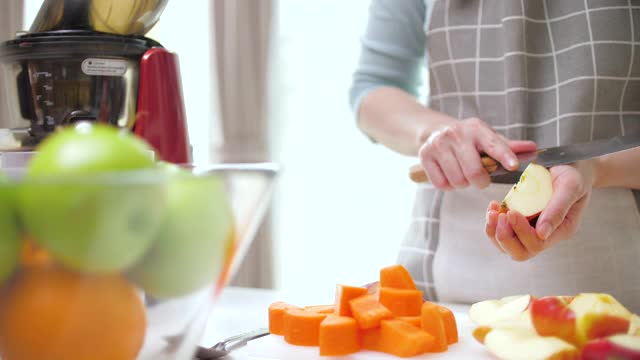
{"points": [[241, 310]]}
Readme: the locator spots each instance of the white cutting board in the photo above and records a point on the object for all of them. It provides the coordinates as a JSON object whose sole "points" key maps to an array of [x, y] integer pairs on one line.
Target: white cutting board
{"points": [[274, 347]]}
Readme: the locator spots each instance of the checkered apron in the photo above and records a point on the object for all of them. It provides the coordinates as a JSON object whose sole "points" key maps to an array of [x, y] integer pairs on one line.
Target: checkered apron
{"points": [[556, 72]]}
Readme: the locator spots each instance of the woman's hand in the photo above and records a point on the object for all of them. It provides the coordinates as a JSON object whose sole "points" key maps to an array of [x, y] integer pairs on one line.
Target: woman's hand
{"points": [[511, 231], [451, 156]]}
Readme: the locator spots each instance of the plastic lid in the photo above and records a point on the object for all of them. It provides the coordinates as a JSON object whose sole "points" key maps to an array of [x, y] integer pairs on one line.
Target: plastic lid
{"points": [[72, 43]]}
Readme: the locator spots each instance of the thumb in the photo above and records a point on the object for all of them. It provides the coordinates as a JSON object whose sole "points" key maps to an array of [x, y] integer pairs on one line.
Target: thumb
{"points": [[553, 215]]}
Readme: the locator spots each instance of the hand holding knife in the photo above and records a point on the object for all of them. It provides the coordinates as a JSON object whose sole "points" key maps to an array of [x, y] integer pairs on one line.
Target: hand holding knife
{"points": [[548, 157]]}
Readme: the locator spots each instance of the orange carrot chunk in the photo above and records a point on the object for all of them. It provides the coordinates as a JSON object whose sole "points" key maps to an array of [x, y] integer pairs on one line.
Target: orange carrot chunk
{"points": [[396, 276], [402, 339], [450, 327], [368, 312], [413, 320], [344, 294], [401, 302], [433, 324], [276, 317], [370, 339], [339, 336], [302, 327], [322, 309]]}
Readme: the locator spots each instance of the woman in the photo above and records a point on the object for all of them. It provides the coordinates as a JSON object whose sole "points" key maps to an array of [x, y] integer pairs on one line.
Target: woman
{"points": [[506, 76]]}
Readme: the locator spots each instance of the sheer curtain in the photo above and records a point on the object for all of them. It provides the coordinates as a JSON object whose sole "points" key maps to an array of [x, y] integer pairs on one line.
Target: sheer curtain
{"points": [[10, 22], [241, 43]]}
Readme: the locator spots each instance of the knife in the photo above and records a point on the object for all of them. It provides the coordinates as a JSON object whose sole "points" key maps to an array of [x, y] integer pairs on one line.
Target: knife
{"points": [[548, 157]]}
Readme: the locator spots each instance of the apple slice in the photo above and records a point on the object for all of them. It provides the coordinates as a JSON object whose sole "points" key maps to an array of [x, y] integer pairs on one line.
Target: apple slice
{"points": [[599, 315], [551, 316], [623, 347], [634, 327], [491, 312], [515, 341], [531, 194]]}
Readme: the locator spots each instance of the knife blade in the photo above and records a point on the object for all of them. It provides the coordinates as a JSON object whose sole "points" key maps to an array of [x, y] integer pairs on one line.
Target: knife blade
{"points": [[548, 157]]}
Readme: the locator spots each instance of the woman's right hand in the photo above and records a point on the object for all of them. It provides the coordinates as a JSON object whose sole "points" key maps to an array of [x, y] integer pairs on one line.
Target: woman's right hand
{"points": [[451, 156]]}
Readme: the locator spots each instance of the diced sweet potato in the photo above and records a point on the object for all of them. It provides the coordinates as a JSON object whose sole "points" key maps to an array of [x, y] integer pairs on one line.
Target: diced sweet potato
{"points": [[302, 327], [401, 302], [397, 277], [339, 335], [344, 294], [276, 317], [368, 312]]}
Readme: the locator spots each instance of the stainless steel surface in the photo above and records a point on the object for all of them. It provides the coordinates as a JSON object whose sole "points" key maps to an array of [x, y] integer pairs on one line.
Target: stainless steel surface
{"points": [[122, 17], [226, 346], [568, 154]]}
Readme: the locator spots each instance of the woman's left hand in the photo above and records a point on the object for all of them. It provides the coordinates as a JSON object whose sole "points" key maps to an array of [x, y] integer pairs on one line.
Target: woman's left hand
{"points": [[512, 233]]}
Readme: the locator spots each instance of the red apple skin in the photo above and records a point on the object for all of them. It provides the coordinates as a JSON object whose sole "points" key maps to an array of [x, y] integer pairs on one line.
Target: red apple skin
{"points": [[606, 349], [551, 316], [602, 326]]}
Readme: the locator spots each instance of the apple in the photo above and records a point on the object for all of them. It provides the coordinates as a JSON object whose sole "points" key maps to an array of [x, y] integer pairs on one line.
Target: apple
{"points": [[9, 233], [491, 312], [599, 315], [190, 249], [531, 194], [551, 316], [92, 198], [622, 347], [480, 333], [634, 327], [515, 341]]}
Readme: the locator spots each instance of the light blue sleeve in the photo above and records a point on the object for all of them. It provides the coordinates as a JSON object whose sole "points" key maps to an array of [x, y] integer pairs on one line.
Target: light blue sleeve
{"points": [[392, 49]]}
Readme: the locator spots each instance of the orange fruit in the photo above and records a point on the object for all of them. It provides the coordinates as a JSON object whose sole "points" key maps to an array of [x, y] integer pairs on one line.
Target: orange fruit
{"points": [[33, 255], [51, 313]]}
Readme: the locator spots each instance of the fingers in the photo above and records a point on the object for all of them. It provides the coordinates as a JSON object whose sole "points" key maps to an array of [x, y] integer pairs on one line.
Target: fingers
{"points": [[518, 146], [451, 155], [452, 169], [508, 240], [525, 233], [496, 147], [436, 176], [472, 167], [570, 222], [491, 224], [567, 190]]}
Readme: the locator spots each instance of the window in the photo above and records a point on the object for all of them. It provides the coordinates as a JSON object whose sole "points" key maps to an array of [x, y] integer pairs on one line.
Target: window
{"points": [[343, 204]]}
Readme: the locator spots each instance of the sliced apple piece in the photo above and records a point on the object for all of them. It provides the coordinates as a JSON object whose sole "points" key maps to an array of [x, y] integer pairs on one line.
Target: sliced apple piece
{"points": [[531, 194], [551, 316], [522, 342], [621, 347], [634, 327], [491, 312], [480, 333], [598, 316]]}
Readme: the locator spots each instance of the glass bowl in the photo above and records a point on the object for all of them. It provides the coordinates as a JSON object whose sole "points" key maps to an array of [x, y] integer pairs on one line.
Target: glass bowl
{"points": [[124, 265]]}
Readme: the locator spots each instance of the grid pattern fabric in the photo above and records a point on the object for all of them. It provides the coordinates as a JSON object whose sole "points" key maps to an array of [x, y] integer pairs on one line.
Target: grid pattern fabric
{"points": [[556, 72]]}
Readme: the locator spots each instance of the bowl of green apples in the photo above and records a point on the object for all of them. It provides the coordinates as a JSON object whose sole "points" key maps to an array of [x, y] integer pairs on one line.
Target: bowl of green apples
{"points": [[106, 253]]}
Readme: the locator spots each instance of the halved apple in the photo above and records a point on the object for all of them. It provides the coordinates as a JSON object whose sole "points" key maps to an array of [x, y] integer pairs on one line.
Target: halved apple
{"points": [[522, 342], [634, 327], [531, 194], [551, 316], [491, 312], [599, 315], [614, 347]]}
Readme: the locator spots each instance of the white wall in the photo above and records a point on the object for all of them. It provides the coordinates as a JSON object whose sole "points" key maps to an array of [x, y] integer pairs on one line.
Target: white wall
{"points": [[343, 203]]}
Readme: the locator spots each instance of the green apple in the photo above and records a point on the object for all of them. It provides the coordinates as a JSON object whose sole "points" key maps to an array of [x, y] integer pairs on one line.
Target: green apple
{"points": [[9, 234], [92, 199], [190, 250]]}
